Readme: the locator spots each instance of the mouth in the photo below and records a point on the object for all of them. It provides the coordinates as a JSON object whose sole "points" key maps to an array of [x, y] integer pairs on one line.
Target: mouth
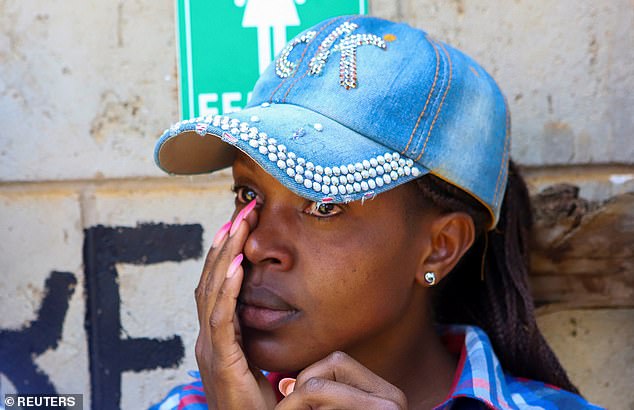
{"points": [[261, 309]]}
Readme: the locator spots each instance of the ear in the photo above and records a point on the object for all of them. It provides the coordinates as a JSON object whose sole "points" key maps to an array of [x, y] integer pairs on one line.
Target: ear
{"points": [[452, 235]]}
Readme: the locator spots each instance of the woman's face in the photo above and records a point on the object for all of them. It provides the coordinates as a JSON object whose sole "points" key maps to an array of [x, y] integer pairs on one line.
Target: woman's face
{"points": [[335, 277]]}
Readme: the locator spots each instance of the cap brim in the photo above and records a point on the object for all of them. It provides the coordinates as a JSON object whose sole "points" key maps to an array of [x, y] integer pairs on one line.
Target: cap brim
{"points": [[312, 155]]}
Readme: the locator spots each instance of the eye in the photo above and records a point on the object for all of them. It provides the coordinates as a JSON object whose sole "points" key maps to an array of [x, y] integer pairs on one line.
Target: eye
{"points": [[244, 194], [323, 210]]}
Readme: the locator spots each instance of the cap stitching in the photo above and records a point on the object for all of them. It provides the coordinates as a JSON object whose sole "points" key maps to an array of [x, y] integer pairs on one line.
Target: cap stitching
{"points": [[503, 169], [435, 102], [431, 127], [308, 70], [504, 155], [431, 91], [301, 59]]}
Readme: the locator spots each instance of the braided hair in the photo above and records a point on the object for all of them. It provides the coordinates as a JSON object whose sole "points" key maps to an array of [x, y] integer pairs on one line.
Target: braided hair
{"points": [[488, 288]]}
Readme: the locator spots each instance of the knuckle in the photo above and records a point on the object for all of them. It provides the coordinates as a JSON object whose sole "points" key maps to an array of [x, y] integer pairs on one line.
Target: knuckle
{"points": [[400, 400], [199, 349], [390, 405], [395, 398], [385, 403], [338, 357], [233, 358], [202, 291], [313, 385], [215, 322], [211, 257], [222, 292]]}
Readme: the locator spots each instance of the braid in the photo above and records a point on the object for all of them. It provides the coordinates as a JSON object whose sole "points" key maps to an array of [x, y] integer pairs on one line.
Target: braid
{"points": [[499, 302]]}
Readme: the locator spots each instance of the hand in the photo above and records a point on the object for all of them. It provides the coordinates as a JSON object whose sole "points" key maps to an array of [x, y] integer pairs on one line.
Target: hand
{"points": [[339, 382], [228, 379]]}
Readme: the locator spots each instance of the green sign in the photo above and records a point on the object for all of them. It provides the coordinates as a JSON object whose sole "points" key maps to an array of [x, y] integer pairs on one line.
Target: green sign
{"points": [[224, 45]]}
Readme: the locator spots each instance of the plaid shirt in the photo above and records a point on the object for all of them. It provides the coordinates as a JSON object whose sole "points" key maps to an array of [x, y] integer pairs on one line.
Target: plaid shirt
{"points": [[479, 383]]}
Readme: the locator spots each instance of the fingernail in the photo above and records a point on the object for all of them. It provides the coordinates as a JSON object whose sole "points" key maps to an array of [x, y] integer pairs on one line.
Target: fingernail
{"points": [[286, 386], [242, 215], [220, 235], [233, 267]]}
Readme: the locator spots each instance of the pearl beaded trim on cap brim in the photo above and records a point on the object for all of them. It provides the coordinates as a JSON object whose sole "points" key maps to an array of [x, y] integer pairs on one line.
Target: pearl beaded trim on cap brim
{"points": [[331, 181]]}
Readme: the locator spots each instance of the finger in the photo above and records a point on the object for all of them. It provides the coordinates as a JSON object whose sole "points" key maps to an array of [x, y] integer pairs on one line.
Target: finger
{"points": [[221, 321], [206, 290], [219, 258], [221, 235], [231, 243], [227, 251], [219, 239], [241, 216], [229, 228], [328, 394], [342, 368]]}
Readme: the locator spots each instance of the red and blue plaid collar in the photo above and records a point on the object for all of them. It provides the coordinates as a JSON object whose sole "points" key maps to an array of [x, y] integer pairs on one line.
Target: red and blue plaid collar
{"points": [[480, 378], [479, 375], [479, 382]]}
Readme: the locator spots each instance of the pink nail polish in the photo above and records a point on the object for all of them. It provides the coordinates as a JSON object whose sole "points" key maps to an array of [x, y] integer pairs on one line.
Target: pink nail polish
{"points": [[233, 267], [220, 235], [286, 386], [242, 215]]}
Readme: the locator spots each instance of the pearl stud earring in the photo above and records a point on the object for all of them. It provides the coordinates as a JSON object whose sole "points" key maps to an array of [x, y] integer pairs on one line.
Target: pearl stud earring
{"points": [[430, 278]]}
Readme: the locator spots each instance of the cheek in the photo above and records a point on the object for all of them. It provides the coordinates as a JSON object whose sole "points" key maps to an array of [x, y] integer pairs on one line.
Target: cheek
{"points": [[350, 284], [359, 282]]}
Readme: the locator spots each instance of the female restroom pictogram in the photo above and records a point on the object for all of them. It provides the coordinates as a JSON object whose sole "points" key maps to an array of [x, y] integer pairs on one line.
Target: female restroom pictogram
{"points": [[269, 17]]}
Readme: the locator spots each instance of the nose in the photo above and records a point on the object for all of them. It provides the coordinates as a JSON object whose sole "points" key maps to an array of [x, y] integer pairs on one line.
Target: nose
{"points": [[268, 246]]}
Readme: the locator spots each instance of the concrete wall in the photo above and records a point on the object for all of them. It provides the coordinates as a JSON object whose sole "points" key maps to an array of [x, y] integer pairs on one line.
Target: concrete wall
{"points": [[86, 88]]}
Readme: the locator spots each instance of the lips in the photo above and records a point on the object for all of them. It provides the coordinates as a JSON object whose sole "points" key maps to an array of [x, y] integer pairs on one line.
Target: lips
{"points": [[261, 309]]}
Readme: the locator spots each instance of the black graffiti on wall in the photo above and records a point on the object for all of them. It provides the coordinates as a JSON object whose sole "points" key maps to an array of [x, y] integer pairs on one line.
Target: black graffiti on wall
{"points": [[18, 348], [110, 353]]}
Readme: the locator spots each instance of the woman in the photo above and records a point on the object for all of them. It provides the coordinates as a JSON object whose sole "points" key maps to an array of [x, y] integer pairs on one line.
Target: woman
{"points": [[378, 255]]}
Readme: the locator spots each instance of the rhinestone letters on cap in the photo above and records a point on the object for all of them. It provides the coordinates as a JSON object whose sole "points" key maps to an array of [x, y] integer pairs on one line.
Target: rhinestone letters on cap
{"points": [[319, 60], [347, 45], [343, 180], [283, 67]]}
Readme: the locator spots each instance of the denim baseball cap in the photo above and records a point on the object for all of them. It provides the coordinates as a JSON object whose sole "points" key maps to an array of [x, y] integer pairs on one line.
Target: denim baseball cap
{"points": [[353, 107]]}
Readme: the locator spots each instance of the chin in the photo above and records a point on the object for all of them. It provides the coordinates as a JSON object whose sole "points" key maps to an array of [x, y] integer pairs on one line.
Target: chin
{"points": [[269, 353]]}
